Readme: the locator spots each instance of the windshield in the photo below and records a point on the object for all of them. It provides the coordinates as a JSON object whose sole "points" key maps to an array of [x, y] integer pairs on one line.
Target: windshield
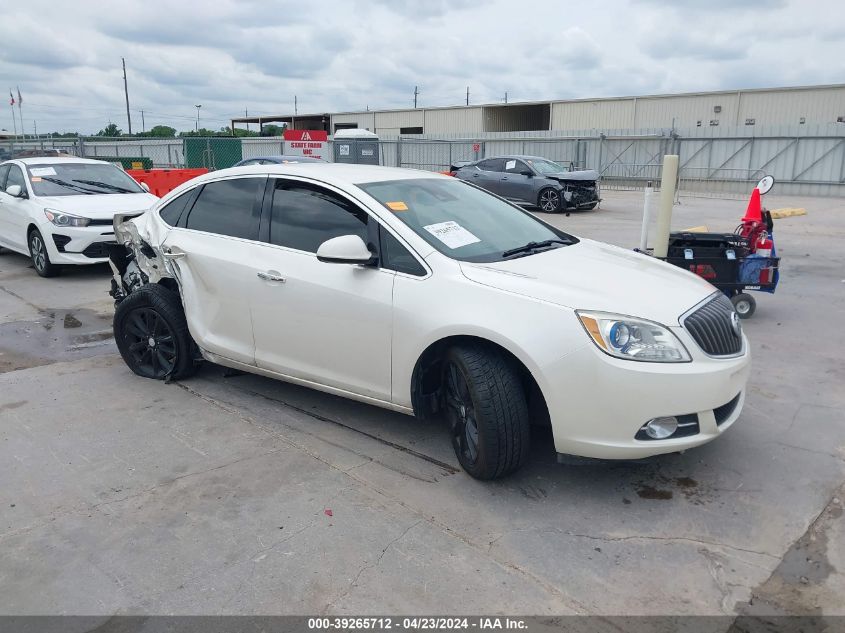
{"points": [[544, 166], [463, 221], [74, 179]]}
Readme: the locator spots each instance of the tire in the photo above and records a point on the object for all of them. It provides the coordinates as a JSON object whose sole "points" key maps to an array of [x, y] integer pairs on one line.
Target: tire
{"points": [[152, 335], [39, 255], [744, 304], [487, 411], [549, 200]]}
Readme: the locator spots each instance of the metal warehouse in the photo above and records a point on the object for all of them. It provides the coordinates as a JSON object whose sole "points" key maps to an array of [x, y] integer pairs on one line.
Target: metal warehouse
{"points": [[733, 108]]}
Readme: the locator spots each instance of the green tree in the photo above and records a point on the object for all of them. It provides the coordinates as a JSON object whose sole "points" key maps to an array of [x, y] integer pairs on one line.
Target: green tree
{"points": [[161, 131], [272, 130], [110, 130]]}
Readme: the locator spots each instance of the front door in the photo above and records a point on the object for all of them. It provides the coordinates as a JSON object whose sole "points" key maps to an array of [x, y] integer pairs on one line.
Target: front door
{"points": [[514, 184], [213, 250], [14, 212], [322, 322]]}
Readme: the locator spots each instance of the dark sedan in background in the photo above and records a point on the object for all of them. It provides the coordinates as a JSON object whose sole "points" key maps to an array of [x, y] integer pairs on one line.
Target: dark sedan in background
{"points": [[535, 181]]}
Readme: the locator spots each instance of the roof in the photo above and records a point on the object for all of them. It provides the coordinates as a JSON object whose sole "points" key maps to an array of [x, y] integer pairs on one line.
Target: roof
{"points": [[339, 173], [51, 160]]}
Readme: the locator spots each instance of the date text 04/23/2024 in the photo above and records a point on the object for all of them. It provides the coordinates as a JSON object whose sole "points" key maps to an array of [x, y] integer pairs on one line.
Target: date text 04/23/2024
{"points": [[417, 623]]}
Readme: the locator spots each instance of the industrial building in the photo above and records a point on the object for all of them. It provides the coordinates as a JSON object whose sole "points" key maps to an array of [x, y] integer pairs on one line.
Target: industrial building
{"points": [[727, 108]]}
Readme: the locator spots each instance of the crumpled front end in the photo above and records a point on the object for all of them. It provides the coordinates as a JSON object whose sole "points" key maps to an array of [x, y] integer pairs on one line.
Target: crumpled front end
{"points": [[135, 260]]}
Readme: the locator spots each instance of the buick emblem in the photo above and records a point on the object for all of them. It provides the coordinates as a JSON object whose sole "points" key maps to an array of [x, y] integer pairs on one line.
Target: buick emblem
{"points": [[735, 325]]}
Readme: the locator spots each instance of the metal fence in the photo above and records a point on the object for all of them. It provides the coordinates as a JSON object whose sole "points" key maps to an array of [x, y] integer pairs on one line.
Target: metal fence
{"points": [[805, 160]]}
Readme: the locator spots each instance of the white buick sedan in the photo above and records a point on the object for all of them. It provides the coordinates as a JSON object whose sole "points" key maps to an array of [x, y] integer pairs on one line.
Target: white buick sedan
{"points": [[60, 211], [429, 296]]}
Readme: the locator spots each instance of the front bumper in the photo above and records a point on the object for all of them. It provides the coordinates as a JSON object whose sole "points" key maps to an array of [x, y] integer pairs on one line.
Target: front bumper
{"points": [[598, 403], [77, 245]]}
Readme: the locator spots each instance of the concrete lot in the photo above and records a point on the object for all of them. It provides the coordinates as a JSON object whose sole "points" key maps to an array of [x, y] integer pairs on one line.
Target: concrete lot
{"points": [[244, 495]]}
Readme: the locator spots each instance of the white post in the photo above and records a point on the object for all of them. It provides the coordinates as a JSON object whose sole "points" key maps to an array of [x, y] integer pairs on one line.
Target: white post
{"points": [[648, 204], [667, 198]]}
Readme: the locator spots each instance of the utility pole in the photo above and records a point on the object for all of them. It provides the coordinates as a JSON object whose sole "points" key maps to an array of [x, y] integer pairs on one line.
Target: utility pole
{"points": [[506, 96], [143, 123], [467, 95], [295, 107], [35, 127], [126, 94], [198, 106], [416, 92], [246, 115]]}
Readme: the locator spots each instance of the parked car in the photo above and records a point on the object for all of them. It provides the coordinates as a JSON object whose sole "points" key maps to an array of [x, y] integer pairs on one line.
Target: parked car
{"points": [[59, 211], [535, 181], [278, 160], [426, 295]]}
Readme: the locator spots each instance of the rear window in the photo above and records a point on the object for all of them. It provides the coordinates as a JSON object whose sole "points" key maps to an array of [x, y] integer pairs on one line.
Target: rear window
{"points": [[227, 207]]}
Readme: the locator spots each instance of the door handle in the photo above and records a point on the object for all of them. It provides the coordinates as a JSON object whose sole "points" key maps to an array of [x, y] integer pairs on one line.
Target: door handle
{"points": [[172, 256], [268, 276]]}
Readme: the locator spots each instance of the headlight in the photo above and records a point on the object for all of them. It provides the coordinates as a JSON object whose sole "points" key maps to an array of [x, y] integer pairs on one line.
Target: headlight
{"points": [[65, 219], [633, 339]]}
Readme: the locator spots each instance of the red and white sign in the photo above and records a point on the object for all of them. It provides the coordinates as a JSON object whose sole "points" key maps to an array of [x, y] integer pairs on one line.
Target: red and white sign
{"points": [[310, 143]]}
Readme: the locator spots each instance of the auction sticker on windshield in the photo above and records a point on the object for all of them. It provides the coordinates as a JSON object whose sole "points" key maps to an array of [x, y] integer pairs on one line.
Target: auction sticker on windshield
{"points": [[42, 171], [451, 234]]}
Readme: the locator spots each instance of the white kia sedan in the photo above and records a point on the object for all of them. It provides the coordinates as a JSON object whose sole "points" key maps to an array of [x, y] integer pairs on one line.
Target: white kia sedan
{"points": [[60, 210], [429, 296]]}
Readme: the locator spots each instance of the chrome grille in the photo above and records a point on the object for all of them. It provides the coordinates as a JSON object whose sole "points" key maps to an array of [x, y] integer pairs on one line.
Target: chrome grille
{"points": [[712, 327]]}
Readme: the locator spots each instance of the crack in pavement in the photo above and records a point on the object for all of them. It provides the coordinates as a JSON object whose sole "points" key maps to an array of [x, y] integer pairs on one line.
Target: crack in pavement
{"points": [[370, 566]]}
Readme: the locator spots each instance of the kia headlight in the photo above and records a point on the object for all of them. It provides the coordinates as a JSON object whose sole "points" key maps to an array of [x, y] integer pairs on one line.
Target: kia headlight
{"points": [[59, 218], [633, 339]]}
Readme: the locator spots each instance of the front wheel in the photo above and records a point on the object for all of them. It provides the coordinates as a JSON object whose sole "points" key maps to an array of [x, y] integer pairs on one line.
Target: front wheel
{"points": [[152, 335], [549, 201], [487, 411], [744, 304], [40, 256]]}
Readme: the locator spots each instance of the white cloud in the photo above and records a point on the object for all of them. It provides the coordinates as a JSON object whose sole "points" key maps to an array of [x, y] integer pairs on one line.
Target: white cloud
{"points": [[232, 55]]}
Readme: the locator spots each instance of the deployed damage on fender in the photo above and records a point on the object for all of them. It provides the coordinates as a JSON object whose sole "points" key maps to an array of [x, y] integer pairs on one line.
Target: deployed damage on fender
{"points": [[133, 260]]}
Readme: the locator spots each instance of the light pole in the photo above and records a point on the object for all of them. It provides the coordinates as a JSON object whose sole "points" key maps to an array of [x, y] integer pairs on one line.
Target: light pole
{"points": [[198, 106]]}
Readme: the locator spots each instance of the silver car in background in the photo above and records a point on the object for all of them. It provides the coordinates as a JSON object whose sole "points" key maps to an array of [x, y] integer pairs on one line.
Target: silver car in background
{"points": [[536, 181]]}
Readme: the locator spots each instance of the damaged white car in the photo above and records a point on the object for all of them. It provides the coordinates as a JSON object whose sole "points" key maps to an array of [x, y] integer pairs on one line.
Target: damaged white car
{"points": [[427, 295]]}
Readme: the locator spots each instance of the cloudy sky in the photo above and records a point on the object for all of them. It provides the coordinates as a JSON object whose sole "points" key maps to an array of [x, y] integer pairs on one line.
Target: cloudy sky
{"points": [[233, 55]]}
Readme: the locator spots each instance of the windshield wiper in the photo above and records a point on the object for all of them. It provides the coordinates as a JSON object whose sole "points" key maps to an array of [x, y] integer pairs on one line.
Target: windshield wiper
{"points": [[105, 185], [533, 246], [68, 185]]}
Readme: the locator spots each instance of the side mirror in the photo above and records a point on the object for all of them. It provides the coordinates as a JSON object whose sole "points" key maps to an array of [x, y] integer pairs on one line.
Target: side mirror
{"points": [[15, 191], [145, 187], [527, 172], [346, 249]]}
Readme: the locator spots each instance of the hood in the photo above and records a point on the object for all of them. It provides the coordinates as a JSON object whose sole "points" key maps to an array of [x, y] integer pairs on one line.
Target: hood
{"points": [[99, 207], [596, 276], [583, 174]]}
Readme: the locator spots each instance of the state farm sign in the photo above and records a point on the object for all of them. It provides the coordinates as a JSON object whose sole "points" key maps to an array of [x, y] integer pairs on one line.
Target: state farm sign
{"points": [[310, 143]]}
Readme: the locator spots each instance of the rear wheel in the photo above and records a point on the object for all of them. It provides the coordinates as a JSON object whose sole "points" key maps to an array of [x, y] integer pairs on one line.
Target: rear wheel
{"points": [[487, 411], [549, 201], [40, 256], [152, 335], [744, 304]]}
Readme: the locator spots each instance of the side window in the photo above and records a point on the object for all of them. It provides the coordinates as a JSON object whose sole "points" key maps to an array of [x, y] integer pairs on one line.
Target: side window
{"points": [[4, 170], [15, 177], [394, 256], [227, 207], [305, 216], [171, 212], [514, 166], [492, 164]]}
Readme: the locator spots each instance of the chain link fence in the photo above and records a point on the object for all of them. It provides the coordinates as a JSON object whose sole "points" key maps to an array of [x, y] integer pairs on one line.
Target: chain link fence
{"points": [[726, 163]]}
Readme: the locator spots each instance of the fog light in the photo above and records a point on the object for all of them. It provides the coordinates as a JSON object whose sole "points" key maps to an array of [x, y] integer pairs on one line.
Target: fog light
{"points": [[661, 428]]}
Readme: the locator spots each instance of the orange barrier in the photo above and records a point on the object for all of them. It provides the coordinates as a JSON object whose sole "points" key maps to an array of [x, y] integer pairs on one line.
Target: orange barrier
{"points": [[162, 181]]}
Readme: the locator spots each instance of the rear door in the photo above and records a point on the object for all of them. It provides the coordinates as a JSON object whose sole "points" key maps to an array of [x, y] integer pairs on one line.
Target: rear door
{"points": [[214, 248], [322, 322], [514, 184], [488, 174]]}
